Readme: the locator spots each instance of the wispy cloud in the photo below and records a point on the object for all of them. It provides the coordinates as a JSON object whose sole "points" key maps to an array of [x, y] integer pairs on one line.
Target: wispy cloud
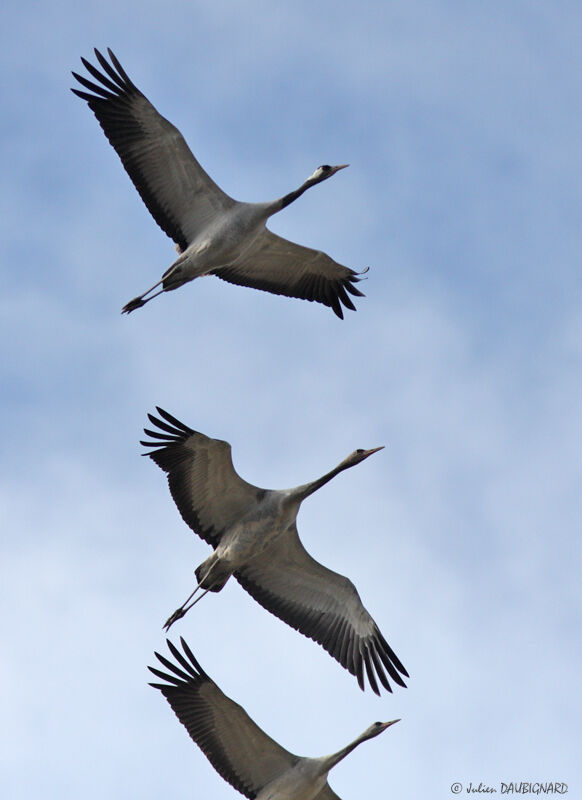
{"points": [[464, 359]]}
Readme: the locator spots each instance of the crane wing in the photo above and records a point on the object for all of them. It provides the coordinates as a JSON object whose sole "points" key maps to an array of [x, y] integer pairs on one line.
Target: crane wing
{"points": [[279, 266], [237, 748], [208, 491], [322, 605], [327, 793], [178, 193]]}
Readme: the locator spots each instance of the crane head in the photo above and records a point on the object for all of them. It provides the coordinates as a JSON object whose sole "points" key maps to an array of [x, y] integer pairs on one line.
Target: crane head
{"points": [[378, 727], [325, 171], [359, 455]]}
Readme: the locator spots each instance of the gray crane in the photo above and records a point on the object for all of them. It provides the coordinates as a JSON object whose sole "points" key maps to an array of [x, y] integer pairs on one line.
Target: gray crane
{"points": [[241, 752], [213, 234], [254, 535]]}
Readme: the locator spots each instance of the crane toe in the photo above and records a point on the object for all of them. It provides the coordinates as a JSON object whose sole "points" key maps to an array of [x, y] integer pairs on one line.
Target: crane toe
{"points": [[137, 302]]}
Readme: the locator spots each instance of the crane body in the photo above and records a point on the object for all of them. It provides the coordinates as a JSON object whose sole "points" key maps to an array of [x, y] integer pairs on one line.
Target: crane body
{"points": [[253, 533], [213, 233]]}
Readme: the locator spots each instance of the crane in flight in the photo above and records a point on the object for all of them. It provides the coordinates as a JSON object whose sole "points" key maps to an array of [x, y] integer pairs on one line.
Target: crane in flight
{"points": [[241, 752], [254, 535], [213, 234]]}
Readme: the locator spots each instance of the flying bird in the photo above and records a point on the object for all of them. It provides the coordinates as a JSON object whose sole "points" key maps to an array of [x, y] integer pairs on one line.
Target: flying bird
{"points": [[254, 535], [241, 752], [213, 234]]}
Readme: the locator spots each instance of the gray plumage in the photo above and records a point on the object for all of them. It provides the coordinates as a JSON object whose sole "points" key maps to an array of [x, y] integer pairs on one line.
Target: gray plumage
{"points": [[241, 752], [254, 535], [214, 234]]}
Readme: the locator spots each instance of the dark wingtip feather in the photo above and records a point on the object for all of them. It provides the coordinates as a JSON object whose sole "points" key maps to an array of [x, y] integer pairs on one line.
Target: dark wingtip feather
{"points": [[172, 667], [360, 675], [165, 437], [190, 655], [170, 418], [370, 672], [160, 686], [386, 652], [353, 290], [172, 682], [343, 296], [379, 669], [114, 87], [190, 668], [119, 68], [176, 429], [82, 95], [337, 309], [99, 91], [188, 673]]}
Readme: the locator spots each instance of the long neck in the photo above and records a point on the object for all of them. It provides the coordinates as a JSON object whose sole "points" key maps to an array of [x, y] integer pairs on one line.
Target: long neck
{"points": [[283, 202], [328, 762], [308, 488]]}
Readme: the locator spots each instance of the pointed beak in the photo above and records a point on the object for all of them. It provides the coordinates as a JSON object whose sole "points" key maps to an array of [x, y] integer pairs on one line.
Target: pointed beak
{"points": [[341, 166], [369, 453], [388, 724]]}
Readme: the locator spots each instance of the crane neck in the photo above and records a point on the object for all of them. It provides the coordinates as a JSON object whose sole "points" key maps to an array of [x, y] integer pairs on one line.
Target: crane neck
{"points": [[309, 488], [328, 762], [287, 199]]}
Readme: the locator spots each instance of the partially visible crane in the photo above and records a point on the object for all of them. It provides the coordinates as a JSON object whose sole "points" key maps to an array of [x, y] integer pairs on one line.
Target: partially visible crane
{"points": [[241, 752]]}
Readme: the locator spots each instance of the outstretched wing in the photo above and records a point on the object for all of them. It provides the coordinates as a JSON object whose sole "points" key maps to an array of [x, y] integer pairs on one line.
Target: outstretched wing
{"points": [[327, 793], [208, 491], [237, 748], [178, 193], [322, 605], [276, 265]]}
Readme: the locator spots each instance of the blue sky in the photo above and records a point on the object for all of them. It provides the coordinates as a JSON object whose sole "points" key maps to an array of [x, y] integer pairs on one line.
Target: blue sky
{"points": [[462, 127]]}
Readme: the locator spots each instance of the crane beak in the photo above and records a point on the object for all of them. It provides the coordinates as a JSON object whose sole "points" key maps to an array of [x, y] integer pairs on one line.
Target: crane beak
{"points": [[388, 724], [337, 169], [369, 453]]}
